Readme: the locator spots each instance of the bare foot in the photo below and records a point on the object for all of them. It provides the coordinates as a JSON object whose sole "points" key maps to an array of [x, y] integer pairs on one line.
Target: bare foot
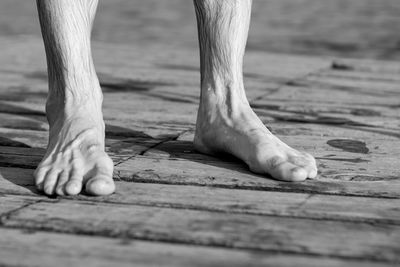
{"points": [[236, 129], [75, 157]]}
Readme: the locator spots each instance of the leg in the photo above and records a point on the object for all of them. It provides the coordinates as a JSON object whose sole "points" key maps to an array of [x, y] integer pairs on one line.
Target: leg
{"points": [[225, 121], [75, 156]]}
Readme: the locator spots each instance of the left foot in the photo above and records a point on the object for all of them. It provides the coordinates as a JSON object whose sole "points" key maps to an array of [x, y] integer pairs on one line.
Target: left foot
{"points": [[234, 128], [75, 159]]}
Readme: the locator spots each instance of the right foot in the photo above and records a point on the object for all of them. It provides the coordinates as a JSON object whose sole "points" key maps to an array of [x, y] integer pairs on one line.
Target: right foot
{"points": [[232, 127], [75, 159]]}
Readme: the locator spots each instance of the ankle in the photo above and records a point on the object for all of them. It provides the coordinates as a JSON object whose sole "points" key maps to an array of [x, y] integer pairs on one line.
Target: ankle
{"points": [[65, 100], [226, 102]]}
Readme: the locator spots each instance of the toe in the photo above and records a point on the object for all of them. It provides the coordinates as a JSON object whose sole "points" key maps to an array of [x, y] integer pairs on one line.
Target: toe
{"points": [[312, 174], [305, 161], [73, 187], [74, 184], [62, 180], [101, 182], [50, 182], [284, 170], [39, 176], [311, 170], [311, 166], [100, 186], [297, 174]]}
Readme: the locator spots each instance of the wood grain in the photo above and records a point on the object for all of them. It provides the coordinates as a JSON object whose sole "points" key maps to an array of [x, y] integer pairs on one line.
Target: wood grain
{"points": [[44, 249], [269, 233]]}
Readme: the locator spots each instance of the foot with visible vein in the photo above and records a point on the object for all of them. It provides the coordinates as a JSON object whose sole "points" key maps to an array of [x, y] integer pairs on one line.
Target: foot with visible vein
{"points": [[225, 121], [75, 159], [235, 129]]}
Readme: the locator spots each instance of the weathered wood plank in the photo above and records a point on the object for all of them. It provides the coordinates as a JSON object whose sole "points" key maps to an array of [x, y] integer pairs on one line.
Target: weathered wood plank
{"points": [[145, 114], [197, 169], [367, 65], [17, 181], [49, 249], [358, 98], [358, 74], [364, 174], [227, 175], [267, 233], [302, 205], [10, 203], [30, 138], [361, 209]]}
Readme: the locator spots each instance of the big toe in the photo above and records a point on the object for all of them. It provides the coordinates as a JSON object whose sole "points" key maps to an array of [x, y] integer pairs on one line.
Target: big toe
{"points": [[290, 172], [284, 170], [100, 185]]}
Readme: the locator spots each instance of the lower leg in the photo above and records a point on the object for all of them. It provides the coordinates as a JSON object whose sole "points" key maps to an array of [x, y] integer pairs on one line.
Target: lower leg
{"points": [[75, 156], [225, 121]]}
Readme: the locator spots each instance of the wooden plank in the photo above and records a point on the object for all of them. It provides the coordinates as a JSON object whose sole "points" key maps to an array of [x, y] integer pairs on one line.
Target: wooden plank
{"points": [[387, 88], [30, 138], [300, 92], [341, 172], [73, 250], [17, 181], [266, 233], [197, 169], [301, 205], [148, 116], [228, 175], [20, 157], [360, 75], [366, 65], [10, 203], [21, 122], [358, 97]]}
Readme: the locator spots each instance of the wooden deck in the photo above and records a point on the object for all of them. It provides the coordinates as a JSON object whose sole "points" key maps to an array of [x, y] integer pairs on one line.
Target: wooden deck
{"points": [[176, 207]]}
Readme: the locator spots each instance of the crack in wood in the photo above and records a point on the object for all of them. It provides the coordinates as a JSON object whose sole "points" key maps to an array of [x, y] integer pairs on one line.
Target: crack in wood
{"points": [[6, 216], [279, 87], [172, 138]]}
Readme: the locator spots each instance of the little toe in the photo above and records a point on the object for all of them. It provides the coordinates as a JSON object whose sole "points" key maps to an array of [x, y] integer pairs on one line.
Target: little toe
{"points": [[311, 167], [311, 170], [312, 174], [50, 182], [307, 162], [39, 176]]}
